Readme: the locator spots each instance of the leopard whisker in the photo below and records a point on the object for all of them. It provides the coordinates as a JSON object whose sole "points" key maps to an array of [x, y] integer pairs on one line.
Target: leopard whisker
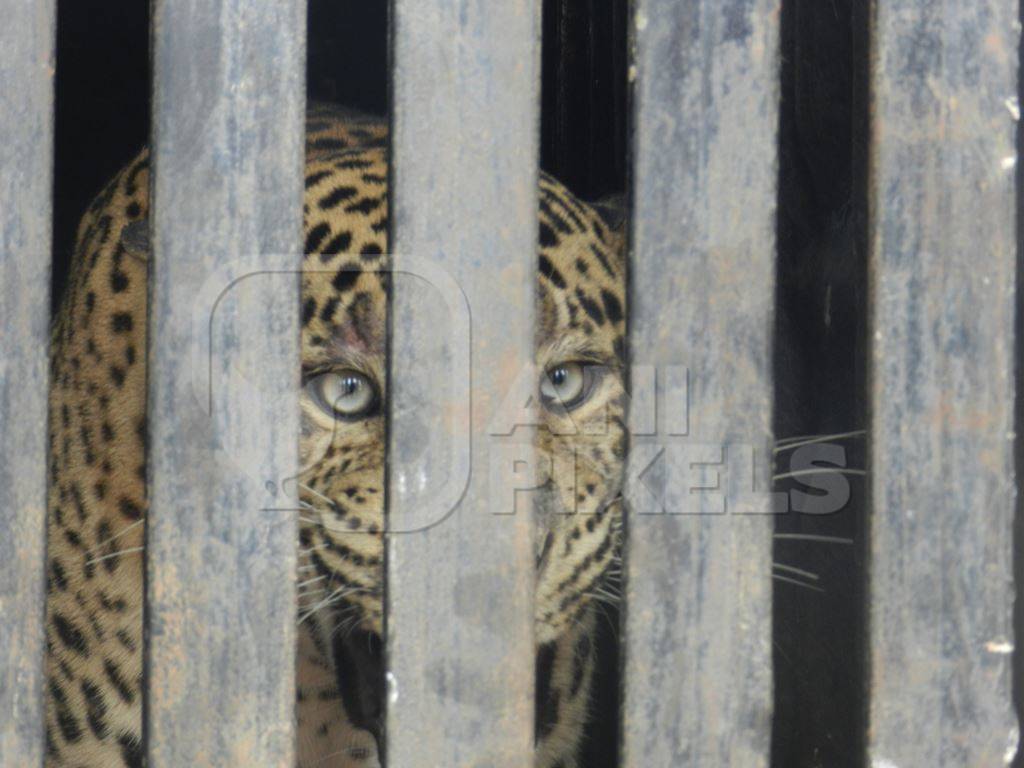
{"points": [[797, 582], [812, 537], [315, 493], [336, 596], [797, 571], [120, 533], [786, 443], [820, 471], [602, 607], [112, 555]]}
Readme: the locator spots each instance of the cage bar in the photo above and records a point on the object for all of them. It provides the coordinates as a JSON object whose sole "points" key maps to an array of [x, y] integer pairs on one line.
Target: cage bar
{"points": [[223, 380], [698, 561], [942, 275], [26, 166], [464, 213]]}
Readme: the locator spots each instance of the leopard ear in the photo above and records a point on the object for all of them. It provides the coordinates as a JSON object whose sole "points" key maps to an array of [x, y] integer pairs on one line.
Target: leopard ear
{"points": [[613, 210]]}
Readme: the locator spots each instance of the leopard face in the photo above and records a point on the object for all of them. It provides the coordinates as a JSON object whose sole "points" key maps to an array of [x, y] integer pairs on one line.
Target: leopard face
{"points": [[582, 437], [98, 431]]}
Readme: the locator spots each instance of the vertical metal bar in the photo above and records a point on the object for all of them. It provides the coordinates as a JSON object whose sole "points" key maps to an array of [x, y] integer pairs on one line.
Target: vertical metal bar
{"points": [[942, 266], [698, 563], [460, 640], [26, 164], [223, 380]]}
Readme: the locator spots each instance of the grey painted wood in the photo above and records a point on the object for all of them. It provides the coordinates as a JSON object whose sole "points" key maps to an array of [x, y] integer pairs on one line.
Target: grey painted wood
{"points": [[223, 380], [942, 255], [460, 589], [698, 593], [26, 166]]}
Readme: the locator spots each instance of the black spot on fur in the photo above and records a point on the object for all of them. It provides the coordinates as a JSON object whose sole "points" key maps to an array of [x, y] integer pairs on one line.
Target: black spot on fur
{"points": [[619, 345], [51, 745], [315, 178], [365, 206], [126, 640], [327, 313], [73, 538], [316, 236], [308, 310], [336, 196], [329, 143], [370, 251], [129, 508], [353, 163], [142, 434], [556, 220], [345, 278], [131, 750], [339, 244], [121, 322], [96, 709], [119, 683], [58, 575], [550, 271], [79, 502], [599, 255], [612, 306], [548, 238], [590, 307], [69, 634], [118, 281], [69, 726], [133, 175]]}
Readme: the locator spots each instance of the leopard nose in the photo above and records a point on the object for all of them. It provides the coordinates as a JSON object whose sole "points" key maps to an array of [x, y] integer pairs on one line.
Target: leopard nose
{"points": [[359, 661]]}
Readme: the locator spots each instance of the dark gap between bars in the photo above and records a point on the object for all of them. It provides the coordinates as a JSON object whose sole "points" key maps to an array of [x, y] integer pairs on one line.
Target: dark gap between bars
{"points": [[820, 386]]}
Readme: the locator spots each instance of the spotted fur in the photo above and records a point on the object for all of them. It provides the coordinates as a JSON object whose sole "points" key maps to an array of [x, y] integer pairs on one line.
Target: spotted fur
{"points": [[97, 491]]}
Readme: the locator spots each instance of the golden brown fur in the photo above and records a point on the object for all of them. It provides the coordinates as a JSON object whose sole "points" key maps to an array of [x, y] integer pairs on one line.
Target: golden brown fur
{"points": [[98, 437]]}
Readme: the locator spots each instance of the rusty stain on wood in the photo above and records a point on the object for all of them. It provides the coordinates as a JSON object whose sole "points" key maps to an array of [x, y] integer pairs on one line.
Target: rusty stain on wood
{"points": [[26, 168], [223, 387], [460, 592], [942, 266], [698, 686]]}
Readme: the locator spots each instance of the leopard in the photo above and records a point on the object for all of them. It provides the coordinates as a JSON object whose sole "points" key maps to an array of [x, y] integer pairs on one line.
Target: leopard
{"points": [[97, 473]]}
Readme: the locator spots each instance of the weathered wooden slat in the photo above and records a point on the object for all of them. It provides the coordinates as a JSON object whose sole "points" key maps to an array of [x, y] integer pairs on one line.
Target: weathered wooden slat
{"points": [[698, 590], [460, 591], [942, 265], [26, 165], [224, 374]]}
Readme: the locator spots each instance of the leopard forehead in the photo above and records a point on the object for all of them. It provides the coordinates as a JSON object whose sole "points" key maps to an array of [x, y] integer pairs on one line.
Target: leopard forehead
{"points": [[346, 271]]}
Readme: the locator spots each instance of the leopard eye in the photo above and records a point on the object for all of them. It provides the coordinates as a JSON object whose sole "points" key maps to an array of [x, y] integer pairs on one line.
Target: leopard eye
{"points": [[565, 384], [343, 394]]}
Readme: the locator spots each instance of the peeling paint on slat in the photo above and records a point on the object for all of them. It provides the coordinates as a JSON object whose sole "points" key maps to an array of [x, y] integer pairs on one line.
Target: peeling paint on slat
{"points": [[223, 386], [26, 169], [942, 265], [460, 621], [698, 686]]}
